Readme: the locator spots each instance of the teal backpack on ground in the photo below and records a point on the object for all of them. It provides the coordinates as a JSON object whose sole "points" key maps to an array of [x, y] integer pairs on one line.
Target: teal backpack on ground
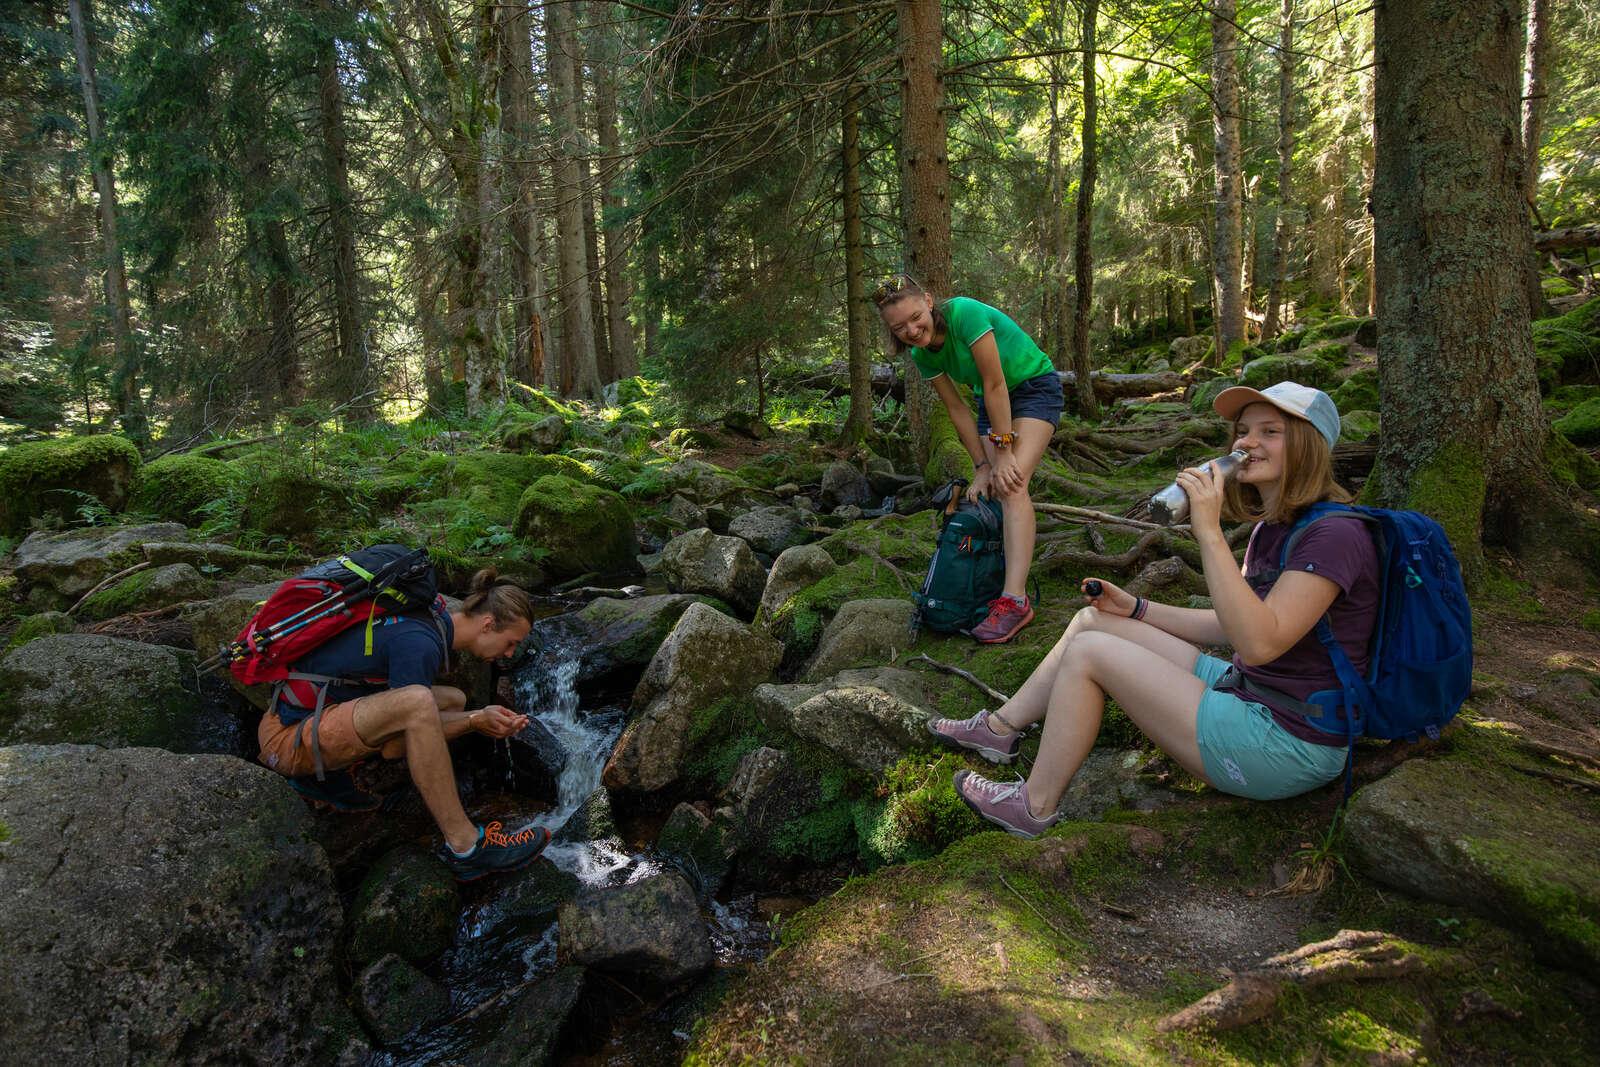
{"points": [[968, 568]]}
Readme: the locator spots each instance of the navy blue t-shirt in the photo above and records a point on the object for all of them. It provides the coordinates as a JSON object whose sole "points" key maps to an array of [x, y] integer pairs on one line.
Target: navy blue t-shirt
{"points": [[406, 650]]}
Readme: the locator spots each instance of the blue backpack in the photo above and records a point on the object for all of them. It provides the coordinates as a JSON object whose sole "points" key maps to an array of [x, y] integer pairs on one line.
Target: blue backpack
{"points": [[1420, 669], [968, 568]]}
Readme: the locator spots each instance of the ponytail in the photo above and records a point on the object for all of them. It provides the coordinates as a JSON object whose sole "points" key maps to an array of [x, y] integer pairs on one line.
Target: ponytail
{"points": [[506, 602]]}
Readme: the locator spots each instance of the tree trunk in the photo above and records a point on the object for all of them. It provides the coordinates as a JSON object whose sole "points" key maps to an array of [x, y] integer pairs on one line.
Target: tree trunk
{"points": [[1280, 239], [1083, 252], [1463, 431], [619, 330], [580, 367], [521, 180], [1226, 243], [125, 378], [924, 176], [353, 372], [1536, 67], [859, 421], [267, 250], [1058, 322]]}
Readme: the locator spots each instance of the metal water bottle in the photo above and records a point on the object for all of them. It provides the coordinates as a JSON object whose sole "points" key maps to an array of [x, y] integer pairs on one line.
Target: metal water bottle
{"points": [[1171, 505]]}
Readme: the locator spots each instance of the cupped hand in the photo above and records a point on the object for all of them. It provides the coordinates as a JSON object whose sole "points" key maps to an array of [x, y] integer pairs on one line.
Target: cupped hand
{"points": [[1204, 488], [1113, 599], [497, 721]]}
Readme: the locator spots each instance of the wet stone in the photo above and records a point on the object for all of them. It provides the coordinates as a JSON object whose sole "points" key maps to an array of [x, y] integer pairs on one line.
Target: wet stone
{"points": [[651, 929], [393, 998], [407, 905], [532, 1028], [696, 844]]}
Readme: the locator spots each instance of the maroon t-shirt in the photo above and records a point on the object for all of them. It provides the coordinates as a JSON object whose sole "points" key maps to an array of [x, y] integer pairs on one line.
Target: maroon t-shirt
{"points": [[1341, 550]]}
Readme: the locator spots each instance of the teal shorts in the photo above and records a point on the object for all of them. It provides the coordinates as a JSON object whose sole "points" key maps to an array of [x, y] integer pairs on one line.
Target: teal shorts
{"points": [[1247, 753]]}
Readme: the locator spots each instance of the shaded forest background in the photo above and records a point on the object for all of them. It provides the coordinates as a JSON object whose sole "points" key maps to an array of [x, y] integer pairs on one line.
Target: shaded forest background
{"points": [[365, 211]]}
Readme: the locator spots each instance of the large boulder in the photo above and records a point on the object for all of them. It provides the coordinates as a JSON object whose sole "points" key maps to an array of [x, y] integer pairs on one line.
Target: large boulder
{"points": [[406, 905], [178, 488], [864, 631], [650, 929], [532, 1027], [698, 846], [724, 567], [94, 690], [393, 998], [769, 790], [583, 528], [707, 657], [216, 622], [162, 909], [1270, 370], [527, 435], [619, 634], [58, 477], [796, 569], [701, 482], [1185, 350], [842, 484], [146, 590], [1475, 832], [775, 704], [770, 530], [865, 726], [66, 565]]}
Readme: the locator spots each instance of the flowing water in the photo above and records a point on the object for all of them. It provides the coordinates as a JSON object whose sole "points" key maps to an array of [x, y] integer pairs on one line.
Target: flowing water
{"points": [[497, 948]]}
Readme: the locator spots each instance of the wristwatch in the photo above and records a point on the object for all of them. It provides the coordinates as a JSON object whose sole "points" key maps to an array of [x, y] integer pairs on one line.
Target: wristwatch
{"points": [[1001, 440]]}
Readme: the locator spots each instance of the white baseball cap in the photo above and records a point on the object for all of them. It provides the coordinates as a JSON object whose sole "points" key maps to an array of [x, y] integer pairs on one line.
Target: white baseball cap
{"points": [[1302, 401]]}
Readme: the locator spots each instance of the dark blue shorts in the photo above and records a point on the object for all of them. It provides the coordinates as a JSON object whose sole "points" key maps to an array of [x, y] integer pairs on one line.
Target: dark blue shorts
{"points": [[1036, 398]]}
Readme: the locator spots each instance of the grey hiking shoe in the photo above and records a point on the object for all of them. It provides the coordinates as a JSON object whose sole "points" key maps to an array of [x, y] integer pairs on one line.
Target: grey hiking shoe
{"points": [[976, 734], [496, 852], [1003, 803]]}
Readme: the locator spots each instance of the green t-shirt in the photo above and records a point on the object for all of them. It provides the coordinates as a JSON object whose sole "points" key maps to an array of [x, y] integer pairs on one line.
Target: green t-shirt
{"points": [[966, 320]]}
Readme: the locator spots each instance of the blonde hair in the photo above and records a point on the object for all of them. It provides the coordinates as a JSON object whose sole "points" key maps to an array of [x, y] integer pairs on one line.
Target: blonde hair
{"points": [[1307, 479], [898, 287], [506, 602]]}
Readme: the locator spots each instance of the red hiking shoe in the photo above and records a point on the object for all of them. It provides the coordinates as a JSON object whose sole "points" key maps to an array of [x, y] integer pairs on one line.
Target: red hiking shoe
{"points": [[1006, 618]]}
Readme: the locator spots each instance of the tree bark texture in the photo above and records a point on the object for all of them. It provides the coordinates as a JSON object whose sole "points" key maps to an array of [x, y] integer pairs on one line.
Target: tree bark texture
{"points": [[1083, 250], [604, 366], [521, 181], [1227, 247], [1535, 92], [1280, 239], [580, 370], [353, 373], [619, 330], [858, 422], [125, 380], [1463, 430], [924, 176]]}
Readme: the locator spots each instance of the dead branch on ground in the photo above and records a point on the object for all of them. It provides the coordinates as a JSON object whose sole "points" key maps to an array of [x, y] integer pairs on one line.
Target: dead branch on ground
{"points": [[986, 690]]}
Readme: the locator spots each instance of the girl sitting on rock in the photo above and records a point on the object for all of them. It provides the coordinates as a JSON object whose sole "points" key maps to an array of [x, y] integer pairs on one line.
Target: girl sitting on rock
{"points": [[1232, 725], [1018, 397]]}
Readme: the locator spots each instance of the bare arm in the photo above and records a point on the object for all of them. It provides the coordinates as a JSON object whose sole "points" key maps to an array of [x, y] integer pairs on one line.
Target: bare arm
{"points": [[996, 397], [1198, 626]]}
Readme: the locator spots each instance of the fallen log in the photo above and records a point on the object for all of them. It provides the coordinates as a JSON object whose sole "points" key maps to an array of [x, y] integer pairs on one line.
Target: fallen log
{"points": [[887, 378], [1567, 238]]}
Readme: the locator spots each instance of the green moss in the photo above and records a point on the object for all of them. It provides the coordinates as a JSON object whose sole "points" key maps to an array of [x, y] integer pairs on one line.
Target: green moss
{"points": [[177, 488], [5, 832], [1358, 425], [1591, 621], [947, 457], [128, 595], [1270, 370], [1358, 392], [583, 528], [35, 626], [41, 478], [1581, 425], [1340, 326], [1568, 346], [1571, 465], [1204, 393], [1450, 488], [300, 506], [917, 813]]}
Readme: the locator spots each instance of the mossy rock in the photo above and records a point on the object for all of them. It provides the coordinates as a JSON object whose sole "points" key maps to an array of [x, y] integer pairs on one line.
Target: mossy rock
{"points": [[1358, 392], [94, 690], [634, 389], [1470, 829], [178, 488], [1570, 464], [297, 505], [1568, 347], [1556, 287], [406, 905], [45, 478], [947, 457], [1270, 370], [1581, 425], [1334, 353], [1205, 392], [539, 403], [582, 528], [40, 625], [1358, 425], [693, 437], [155, 587], [1340, 326]]}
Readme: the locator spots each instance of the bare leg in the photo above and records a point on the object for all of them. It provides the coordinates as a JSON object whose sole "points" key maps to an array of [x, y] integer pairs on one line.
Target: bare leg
{"points": [[1032, 438], [447, 698], [1031, 701], [1160, 696], [412, 714]]}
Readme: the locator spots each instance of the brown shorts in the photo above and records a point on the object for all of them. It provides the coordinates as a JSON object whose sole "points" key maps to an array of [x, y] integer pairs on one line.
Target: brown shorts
{"points": [[341, 745]]}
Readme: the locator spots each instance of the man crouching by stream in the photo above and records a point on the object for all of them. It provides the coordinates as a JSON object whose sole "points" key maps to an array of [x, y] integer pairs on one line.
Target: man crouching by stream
{"points": [[375, 688]]}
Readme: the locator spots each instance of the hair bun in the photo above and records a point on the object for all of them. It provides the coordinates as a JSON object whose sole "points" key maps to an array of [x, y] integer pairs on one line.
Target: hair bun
{"points": [[483, 581]]}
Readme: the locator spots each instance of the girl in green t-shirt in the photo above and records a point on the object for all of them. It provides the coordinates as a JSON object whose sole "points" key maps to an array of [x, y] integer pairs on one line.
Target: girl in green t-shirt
{"points": [[1018, 398]]}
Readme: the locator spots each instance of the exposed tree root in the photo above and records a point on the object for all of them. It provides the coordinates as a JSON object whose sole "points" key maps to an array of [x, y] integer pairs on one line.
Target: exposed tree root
{"points": [[1350, 955], [1162, 574]]}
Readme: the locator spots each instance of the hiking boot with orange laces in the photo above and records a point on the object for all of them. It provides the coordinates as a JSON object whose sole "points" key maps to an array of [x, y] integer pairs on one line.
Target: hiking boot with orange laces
{"points": [[1006, 618], [496, 852], [1003, 803]]}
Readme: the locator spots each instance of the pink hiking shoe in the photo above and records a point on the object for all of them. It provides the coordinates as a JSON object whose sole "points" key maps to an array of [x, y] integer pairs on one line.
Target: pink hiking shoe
{"points": [[1003, 803], [1005, 620], [976, 734]]}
